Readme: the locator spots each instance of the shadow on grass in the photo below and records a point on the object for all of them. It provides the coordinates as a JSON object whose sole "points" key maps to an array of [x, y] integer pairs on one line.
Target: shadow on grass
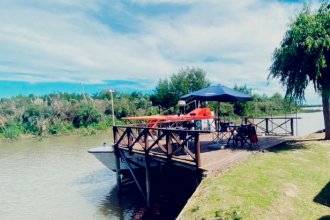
{"points": [[286, 147], [310, 139], [326, 217], [323, 197]]}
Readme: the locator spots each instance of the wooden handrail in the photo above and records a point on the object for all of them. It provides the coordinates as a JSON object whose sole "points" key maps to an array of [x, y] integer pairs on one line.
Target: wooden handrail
{"points": [[269, 121], [160, 141]]}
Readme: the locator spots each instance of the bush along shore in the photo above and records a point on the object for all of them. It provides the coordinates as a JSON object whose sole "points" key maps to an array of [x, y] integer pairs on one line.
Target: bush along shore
{"points": [[64, 113], [61, 113]]}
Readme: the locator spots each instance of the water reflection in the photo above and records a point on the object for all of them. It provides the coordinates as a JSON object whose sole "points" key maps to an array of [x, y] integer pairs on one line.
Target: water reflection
{"points": [[123, 205]]}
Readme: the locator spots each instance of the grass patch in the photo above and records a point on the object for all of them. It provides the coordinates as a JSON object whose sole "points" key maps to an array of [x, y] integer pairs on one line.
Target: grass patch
{"points": [[290, 182]]}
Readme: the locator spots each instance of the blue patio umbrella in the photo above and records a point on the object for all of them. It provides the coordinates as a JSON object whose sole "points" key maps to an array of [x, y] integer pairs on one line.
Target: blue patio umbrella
{"points": [[218, 93]]}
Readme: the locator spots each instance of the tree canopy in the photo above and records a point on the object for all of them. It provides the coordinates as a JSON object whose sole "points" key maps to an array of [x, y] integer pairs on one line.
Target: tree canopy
{"points": [[304, 54], [169, 91], [304, 57]]}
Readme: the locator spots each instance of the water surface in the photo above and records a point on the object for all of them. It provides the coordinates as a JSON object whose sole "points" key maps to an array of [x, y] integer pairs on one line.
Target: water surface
{"points": [[55, 178]]}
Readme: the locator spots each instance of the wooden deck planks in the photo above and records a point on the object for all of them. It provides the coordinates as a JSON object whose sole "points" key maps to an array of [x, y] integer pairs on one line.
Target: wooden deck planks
{"points": [[218, 160]]}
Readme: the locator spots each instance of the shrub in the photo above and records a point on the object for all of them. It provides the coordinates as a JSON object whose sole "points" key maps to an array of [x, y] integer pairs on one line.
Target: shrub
{"points": [[32, 116], [87, 131], [12, 130], [56, 128], [87, 115]]}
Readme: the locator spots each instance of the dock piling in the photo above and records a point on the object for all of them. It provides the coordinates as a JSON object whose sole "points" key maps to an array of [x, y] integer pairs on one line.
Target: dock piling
{"points": [[118, 177], [148, 180], [117, 155]]}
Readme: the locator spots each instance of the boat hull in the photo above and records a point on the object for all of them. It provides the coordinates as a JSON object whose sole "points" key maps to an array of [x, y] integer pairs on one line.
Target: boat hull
{"points": [[107, 157]]}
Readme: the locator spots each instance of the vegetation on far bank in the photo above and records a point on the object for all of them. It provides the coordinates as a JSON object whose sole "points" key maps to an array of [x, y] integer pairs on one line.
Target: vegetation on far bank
{"points": [[64, 113], [289, 182]]}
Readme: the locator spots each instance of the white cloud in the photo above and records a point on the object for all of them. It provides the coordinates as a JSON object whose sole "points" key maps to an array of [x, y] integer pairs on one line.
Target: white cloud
{"points": [[63, 40]]}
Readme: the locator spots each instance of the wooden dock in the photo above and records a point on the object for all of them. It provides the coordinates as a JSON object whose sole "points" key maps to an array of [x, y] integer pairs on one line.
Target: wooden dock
{"points": [[193, 149], [205, 154]]}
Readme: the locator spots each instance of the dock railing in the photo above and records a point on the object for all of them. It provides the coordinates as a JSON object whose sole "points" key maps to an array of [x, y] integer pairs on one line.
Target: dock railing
{"points": [[167, 145], [164, 144], [273, 125]]}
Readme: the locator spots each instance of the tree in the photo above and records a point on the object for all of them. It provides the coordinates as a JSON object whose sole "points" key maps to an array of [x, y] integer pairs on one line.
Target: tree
{"points": [[242, 108], [304, 57], [169, 91], [87, 115]]}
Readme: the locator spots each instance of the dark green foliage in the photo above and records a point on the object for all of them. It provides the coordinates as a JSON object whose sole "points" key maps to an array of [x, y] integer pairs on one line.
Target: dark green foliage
{"points": [[230, 214], [304, 57], [169, 91], [241, 108], [12, 130], [62, 112], [304, 53], [59, 128], [87, 115], [33, 118], [263, 105]]}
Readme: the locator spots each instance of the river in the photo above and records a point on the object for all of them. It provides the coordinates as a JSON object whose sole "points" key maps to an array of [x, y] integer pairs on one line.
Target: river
{"points": [[55, 178], [309, 123]]}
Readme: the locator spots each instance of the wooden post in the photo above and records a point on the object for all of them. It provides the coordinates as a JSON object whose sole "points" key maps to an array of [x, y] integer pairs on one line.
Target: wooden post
{"points": [[147, 169], [245, 120], [129, 140], [196, 178], [198, 150], [148, 180], [117, 155], [267, 128], [168, 146], [292, 128]]}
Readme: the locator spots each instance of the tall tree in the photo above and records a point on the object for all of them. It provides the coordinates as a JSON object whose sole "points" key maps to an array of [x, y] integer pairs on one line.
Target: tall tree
{"points": [[304, 57], [169, 91]]}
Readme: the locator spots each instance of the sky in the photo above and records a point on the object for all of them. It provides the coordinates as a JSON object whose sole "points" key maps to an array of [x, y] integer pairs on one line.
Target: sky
{"points": [[92, 45]]}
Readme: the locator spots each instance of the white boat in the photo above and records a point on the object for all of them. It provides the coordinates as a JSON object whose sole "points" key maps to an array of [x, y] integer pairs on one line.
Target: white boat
{"points": [[106, 155]]}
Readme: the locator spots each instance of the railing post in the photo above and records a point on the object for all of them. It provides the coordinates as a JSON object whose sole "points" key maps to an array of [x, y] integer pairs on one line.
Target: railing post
{"points": [[117, 156], [129, 141], [198, 150], [168, 145], [292, 128], [245, 120], [267, 128]]}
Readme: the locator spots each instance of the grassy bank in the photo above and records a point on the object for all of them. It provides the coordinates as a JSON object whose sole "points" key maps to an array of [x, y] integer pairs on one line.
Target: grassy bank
{"points": [[290, 182]]}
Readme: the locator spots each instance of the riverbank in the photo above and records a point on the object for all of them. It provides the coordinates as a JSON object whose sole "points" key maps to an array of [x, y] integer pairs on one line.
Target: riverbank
{"points": [[89, 131], [289, 182]]}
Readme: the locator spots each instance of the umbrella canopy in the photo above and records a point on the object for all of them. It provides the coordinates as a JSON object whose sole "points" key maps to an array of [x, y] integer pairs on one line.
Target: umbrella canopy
{"points": [[218, 93]]}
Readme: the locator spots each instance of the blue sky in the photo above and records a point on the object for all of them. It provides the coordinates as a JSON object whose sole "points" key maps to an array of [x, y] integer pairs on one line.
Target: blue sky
{"points": [[59, 45]]}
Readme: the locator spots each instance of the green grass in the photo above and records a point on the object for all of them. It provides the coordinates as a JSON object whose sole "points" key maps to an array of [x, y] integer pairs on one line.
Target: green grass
{"points": [[281, 184]]}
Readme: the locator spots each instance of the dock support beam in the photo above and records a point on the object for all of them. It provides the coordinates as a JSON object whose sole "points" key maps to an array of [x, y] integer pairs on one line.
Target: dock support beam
{"points": [[198, 151], [198, 159], [147, 169], [148, 181], [117, 156], [132, 173], [117, 168]]}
